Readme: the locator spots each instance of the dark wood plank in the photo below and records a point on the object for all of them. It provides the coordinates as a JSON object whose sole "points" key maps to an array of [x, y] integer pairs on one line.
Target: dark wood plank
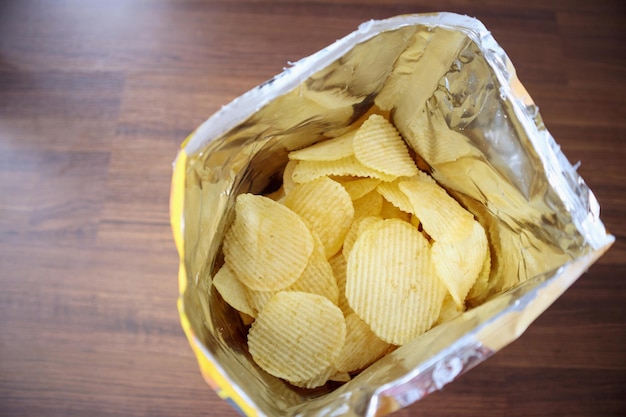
{"points": [[96, 97]]}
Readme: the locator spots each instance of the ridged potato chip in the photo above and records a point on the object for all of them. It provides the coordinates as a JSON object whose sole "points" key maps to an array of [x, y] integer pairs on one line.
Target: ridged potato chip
{"points": [[378, 145], [325, 207], [358, 226], [306, 171], [339, 376], [318, 380], [392, 193], [361, 348], [481, 286], [391, 282], [389, 211], [258, 299], [449, 310], [298, 337], [329, 150], [268, 245], [359, 187], [288, 183], [232, 290], [339, 264], [459, 263], [317, 278], [369, 205], [441, 216]]}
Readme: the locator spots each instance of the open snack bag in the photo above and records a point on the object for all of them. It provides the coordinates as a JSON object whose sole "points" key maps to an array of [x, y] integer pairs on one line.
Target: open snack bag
{"points": [[374, 221]]}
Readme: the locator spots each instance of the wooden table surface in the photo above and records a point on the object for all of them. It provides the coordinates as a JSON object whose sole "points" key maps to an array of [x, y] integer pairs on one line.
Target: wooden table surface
{"points": [[96, 97]]}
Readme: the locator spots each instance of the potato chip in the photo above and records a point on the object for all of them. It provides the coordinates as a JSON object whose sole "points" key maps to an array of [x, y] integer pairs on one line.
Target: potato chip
{"points": [[442, 217], [357, 188], [361, 348], [459, 263], [298, 336], [356, 229], [424, 177], [338, 263], [258, 299], [391, 282], [232, 290], [328, 150], [306, 171], [378, 145], [339, 376], [325, 207], [288, 183], [318, 380], [481, 286], [318, 277], [268, 245], [389, 211], [392, 193], [449, 310], [369, 205]]}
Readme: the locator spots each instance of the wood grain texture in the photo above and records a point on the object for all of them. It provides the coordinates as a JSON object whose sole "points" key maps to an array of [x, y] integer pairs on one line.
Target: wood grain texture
{"points": [[96, 97]]}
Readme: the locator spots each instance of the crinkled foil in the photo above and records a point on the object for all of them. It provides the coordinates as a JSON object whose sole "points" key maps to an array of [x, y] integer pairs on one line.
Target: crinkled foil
{"points": [[453, 94]]}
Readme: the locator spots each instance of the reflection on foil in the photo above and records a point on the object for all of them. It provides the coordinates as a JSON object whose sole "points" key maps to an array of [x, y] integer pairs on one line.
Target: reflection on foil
{"points": [[453, 94]]}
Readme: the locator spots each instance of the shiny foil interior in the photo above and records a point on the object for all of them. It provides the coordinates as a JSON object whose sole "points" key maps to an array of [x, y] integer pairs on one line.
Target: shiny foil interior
{"points": [[453, 94]]}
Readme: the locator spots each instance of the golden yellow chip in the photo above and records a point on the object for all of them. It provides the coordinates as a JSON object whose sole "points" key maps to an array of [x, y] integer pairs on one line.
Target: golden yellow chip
{"points": [[479, 290], [318, 277], [306, 171], [362, 346], [378, 145], [392, 193], [318, 380], [258, 299], [325, 207], [424, 177], [359, 187], [338, 264], [369, 205], [449, 310], [340, 377], [389, 211], [442, 217], [329, 150], [298, 336], [288, 183], [391, 282], [268, 245], [358, 226], [459, 263], [232, 290]]}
